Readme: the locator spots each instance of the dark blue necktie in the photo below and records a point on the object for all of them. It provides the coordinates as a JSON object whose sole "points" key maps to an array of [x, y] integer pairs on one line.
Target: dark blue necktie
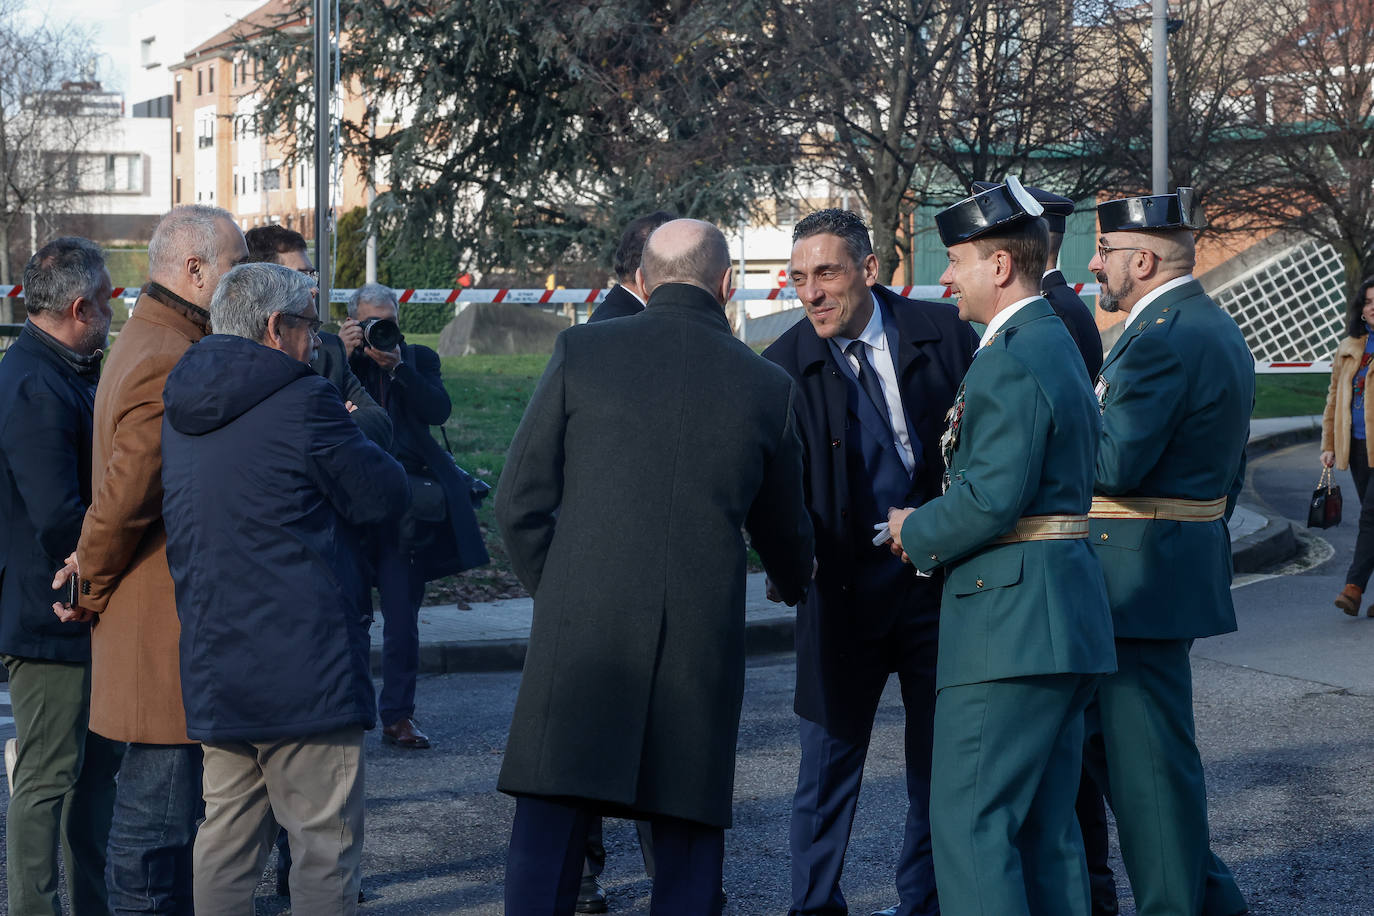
{"points": [[868, 381]]}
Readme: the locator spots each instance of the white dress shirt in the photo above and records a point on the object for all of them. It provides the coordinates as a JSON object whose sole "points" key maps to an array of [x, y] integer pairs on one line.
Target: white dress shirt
{"points": [[883, 361]]}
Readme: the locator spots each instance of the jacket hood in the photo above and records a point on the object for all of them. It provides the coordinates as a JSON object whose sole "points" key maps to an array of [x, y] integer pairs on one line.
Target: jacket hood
{"points": [[223, 377]]}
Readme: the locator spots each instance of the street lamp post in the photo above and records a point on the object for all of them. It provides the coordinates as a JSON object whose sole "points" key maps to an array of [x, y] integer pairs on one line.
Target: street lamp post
{"points": [[323, 198]]}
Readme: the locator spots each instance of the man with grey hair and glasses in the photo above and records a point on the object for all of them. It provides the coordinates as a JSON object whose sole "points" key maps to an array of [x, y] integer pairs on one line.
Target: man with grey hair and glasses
{"points": [[121, 564], [439, 536], [270, 589], [62, 779]]}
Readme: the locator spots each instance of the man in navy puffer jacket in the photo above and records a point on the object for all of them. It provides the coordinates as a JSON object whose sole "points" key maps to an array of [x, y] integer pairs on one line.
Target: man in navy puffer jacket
{"points": [[266, 479]]}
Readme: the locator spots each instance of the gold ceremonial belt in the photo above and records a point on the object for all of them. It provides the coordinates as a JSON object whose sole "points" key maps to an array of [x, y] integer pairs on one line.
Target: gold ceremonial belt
{"points": [[1174, 510], [1045, 528]]}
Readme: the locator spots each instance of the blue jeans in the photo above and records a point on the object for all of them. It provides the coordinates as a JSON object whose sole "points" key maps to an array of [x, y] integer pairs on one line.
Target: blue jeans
{"points": [[157, 806]]}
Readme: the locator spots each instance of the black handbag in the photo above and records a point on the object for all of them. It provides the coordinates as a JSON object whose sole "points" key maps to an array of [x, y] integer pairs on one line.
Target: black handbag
{"points": [[1324, 511]]}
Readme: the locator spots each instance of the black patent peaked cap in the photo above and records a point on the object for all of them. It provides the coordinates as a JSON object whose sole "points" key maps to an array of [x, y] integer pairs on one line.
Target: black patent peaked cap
{"points": [[1178, 210]]}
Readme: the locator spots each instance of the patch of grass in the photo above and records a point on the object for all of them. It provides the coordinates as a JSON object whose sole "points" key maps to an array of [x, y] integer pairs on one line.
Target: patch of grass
{"points": [[1290, 395]]}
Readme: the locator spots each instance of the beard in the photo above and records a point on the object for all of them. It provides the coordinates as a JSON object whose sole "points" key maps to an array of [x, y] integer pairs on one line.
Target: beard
{"points": [[1110, 300]]}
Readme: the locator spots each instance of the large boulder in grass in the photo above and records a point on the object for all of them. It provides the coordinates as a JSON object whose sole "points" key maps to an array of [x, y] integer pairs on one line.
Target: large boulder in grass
{"points": [[500, 328]]}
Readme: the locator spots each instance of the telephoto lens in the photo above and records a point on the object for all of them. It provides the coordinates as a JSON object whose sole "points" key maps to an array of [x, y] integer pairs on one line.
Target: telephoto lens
{"points": [[381, 333]]}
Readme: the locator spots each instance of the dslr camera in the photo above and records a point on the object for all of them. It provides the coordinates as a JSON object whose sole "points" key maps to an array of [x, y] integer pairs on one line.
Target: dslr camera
{"points": [[381, 333]]}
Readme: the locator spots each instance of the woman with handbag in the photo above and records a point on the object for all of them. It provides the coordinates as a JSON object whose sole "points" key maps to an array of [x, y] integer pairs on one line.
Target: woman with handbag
{"points": [[1348, 436]]}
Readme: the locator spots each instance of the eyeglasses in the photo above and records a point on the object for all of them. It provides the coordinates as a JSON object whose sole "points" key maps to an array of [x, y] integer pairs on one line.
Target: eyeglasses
{"points": [[1104, 250], [314, 323]]}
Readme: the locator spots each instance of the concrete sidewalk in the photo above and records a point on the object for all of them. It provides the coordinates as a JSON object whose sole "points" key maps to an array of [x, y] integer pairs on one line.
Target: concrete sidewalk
{"points": [[491, 635]]}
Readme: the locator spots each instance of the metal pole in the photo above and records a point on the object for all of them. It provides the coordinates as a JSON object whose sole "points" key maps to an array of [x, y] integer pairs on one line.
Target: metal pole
{"points": [[1159, 82], [742, 304], [371, 231], [322, 152]]}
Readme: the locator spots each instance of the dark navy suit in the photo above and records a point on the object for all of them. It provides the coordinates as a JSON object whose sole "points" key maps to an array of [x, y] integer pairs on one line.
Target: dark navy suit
{"points": [[1076, 316], [868, 615], [619, 303]]}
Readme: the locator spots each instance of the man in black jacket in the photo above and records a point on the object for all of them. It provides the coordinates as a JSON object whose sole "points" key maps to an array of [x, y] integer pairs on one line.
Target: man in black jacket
{"points": [[627, 296], [405, 381], [277, 245], [876, 374], [63, 777]]}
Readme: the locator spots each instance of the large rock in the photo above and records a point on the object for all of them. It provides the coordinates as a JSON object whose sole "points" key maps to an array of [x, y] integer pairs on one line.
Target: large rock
{"points": [[485, 328]]}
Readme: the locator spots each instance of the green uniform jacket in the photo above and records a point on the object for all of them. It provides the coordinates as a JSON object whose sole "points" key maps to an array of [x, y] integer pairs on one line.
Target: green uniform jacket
{"points": [[1025, 446], [1180, 384]]}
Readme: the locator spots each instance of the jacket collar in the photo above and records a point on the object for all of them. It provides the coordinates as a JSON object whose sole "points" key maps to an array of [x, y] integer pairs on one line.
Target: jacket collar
{"points": [[688, 301], [1152, 311], [86, 366], [912, 327]]}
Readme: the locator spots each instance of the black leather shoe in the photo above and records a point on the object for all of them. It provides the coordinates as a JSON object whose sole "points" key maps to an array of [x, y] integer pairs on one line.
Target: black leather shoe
{"points": [[590, 897]]}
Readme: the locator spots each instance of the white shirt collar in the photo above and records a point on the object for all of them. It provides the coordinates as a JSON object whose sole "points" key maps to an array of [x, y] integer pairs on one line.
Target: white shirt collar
{"points": [[872, 333], [1002, 317], [1154, 294], [633, 293]]}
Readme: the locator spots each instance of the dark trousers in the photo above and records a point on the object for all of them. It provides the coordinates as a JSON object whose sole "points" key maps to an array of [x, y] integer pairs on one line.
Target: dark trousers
{"points": [[401, 592], [1091, 808], [1362, 565], [828, 783], [1153, 778], [157, 806], [548, 845]]}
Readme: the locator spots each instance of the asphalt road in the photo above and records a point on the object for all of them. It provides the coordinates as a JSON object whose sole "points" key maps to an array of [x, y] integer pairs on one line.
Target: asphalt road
{"points": [[1285, 718]]}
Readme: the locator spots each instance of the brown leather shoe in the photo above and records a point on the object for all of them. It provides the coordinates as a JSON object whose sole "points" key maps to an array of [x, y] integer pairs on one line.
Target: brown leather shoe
{"points": [[403, 733], [1349, 599]]}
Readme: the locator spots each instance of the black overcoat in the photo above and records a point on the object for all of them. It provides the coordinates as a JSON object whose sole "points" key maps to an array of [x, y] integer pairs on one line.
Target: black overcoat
{"points": [[416, 399], [836, 623], [331, 361], [1077, 317], [647, 446]]}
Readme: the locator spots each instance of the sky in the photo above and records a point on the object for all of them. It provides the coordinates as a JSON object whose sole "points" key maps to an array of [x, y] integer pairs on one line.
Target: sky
{"points": [[106, 20]]}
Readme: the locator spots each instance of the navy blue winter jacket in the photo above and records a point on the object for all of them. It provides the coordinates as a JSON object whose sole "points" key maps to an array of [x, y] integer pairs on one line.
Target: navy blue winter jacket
{"points": [[45, 488], [265, 479]]}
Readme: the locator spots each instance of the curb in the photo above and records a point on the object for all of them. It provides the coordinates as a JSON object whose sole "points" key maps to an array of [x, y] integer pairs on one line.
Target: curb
{"points": [[1275, 542], [1278, 540]]}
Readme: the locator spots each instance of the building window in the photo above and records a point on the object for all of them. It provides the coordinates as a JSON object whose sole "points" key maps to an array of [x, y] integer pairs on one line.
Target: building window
{"points": [[178, 197], [178, 89], [255, 181], [211, 71], [200, 82], [177, 144], [271, 180], [289, 175]]}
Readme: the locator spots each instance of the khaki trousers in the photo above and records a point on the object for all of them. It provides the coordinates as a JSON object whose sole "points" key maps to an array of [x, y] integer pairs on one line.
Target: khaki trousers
{"points": [[313, 788]]}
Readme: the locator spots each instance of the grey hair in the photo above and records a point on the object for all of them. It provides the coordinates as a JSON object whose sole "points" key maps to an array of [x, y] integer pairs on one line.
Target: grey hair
{"points": [[701, 260], [847, 225], [191, 230], [61, 272], [248, 295], [376, 293]]}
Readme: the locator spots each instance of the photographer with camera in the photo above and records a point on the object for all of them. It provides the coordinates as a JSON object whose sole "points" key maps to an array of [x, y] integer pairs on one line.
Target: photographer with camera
{"points": [[438, 536]]}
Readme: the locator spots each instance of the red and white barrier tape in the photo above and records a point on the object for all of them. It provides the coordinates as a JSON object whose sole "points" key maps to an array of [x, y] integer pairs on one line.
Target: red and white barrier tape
{"points": [[593, 296], [570, 296]]}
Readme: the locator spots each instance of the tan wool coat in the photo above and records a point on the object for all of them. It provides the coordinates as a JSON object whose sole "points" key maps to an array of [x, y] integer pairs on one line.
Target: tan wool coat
{"points": [[1345, 362], [122, 555]]}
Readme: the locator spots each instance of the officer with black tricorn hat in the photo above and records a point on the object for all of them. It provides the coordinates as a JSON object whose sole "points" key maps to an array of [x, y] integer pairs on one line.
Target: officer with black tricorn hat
{"points": [[1176, 392]]}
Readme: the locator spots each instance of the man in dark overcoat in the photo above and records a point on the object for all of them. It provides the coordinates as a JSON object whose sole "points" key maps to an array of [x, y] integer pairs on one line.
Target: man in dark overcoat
{"points": [[647, 446], [405, 380], [627, 296], [868, 615]]}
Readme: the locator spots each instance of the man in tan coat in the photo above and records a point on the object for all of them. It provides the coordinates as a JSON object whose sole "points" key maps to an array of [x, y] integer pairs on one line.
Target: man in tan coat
{"points": [[121, 562]]}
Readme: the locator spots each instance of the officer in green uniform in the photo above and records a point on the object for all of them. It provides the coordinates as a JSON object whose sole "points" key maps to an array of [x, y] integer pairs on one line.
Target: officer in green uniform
{"points": [[1176, 392], [1025, 631]]}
